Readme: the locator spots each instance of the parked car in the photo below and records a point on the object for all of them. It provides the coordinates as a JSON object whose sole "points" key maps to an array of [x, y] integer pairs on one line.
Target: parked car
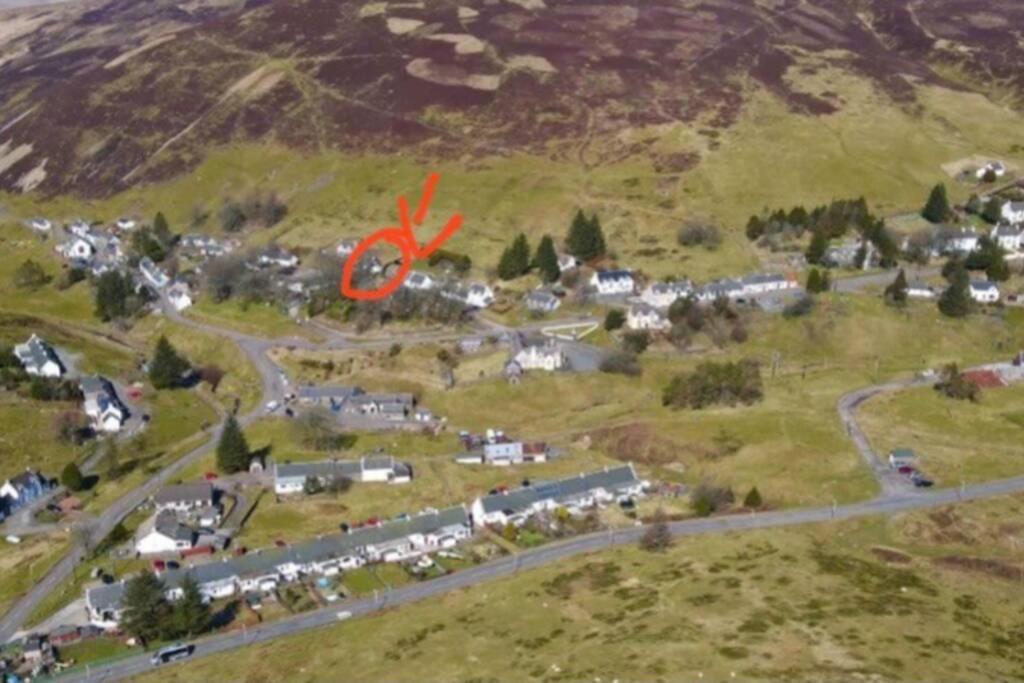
{"points": [[905, 469], [210, 476], [272, 406], [921, 482]]}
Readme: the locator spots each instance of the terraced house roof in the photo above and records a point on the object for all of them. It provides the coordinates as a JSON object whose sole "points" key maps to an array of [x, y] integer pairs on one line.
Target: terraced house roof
{"points": [[561, 490]]}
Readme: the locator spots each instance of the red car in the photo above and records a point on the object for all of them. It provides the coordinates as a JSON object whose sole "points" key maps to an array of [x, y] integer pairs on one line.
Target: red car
{"points": [[906, 469], [159, 565], [210, 476], [280, 544]]}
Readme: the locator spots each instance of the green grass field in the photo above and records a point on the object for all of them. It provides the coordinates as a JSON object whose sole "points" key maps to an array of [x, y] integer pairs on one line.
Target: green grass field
{"points": [[24, 563], [922, 596]]}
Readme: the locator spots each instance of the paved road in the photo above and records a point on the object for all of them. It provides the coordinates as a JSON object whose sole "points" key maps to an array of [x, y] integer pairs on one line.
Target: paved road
{"points": [[858, 283], [546, 555]]}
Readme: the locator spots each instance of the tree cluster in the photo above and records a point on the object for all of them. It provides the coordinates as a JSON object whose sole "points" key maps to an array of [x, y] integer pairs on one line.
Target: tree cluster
{"points": [[154, 242], [989, 257], [621, 363], [707, 498], [117, 298], [586, 238], [316, 430], [460, 263], [264, 210], [955, 301], [149, 616], [818, 281], [953, 384], [699, 234], [719, 321], [515, 259], [53, 389], [713, 383], [403, 304]]}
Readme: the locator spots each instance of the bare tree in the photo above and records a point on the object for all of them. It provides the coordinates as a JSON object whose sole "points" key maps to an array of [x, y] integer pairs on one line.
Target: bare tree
{"points": [[657, 537]]}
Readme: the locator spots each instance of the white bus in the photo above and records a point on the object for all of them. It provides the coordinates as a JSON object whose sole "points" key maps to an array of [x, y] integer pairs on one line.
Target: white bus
{"points": [[172, 654]]}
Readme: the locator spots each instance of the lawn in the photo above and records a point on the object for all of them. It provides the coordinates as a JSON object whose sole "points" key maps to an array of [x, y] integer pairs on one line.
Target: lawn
{"points": [[955, 441], [93, 650], [23, 563], [28, 438], [922, 596]]}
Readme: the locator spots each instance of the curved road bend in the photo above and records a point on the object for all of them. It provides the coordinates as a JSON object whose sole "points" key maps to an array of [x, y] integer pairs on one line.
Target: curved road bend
{"points": [[546, 555]]}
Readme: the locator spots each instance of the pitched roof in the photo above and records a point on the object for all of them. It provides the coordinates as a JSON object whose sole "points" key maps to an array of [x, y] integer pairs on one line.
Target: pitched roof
{"points": [[612, 275], [35, 352], [339, 392], [184, 493], [562, 490]]}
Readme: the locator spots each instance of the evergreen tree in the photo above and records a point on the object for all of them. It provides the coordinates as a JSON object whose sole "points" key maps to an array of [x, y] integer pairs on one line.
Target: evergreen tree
{"points": [[896, 292], [506, 265], [936, 209], [826, 280], [71, 477], [546, 260], [161, 230], [956, 299], [974, 205], [191, 613], [813, 281], [167, 368], [515, 260], [577, 240], [753, 499], [232, 449], [598, 247], [816, 249], [146, 612], [614, 319]]}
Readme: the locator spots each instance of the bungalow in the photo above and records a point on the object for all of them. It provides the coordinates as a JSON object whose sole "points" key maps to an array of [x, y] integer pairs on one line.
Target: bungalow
{"points": [[1007, 236], [185, 497], [278, 257], [901, 457], [613, 282], [547, 355], [388, 406], [77, 248], [505, 453], [203, 245], [326, 555], [419, 281], [573, 493], [643, 316], [920, 290], [80, 228], [541, 301], [763, 283], [720, 289], [163, 533], [22, 489], [152, 273], [664, 294], [475, 295], [984, 292], [962, 241], [291, 477], [38, 358], [179, 295], [333, 397], [125, 224], [101, 404], [1013, 213], [346, 247]]}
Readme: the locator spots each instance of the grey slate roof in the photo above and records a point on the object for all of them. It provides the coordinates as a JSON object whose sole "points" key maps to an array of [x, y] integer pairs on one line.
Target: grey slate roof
{"points": [[201, 492], [35, 353], [612, 275], [167, 523], [265, 563], [339, 393], [562, 490]]}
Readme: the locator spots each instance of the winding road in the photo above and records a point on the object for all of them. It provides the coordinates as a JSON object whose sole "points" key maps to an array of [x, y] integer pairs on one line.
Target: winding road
{"points": [[895, 496]]}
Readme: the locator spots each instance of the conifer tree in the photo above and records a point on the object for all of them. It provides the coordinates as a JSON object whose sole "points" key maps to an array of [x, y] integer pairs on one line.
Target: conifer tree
{"points": [[896, 292], [232, 449], [191, 613], [546, 260], [146, 611], [956, 299], [936, 209], [167, 368]]}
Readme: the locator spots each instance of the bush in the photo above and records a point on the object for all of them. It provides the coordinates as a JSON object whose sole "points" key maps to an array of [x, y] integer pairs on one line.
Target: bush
{"points": [[636, 342], [657, 537], [708, 498], [71, 477], [614, 320], [753, 499], [954, 385], [30, 275], [698, 234], [713, 383], [621, 363]]}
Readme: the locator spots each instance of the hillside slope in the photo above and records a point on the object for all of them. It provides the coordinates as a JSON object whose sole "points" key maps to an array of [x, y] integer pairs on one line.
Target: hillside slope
{"points": [[100, 97]]}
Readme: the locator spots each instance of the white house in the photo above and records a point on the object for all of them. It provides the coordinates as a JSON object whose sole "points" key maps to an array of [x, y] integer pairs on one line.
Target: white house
{"points": [[540, 301], [346, 247], [664, 294], [278, 256], [152, 273], [163, 533], [38, 358], [290, 478], [102, 405], [80, 228], [78, 248], [764, 283], [419, 281], [125, 224], [613, 282], [963, 241], [984, 292], [1013, 213], [547, 356], [643, 316], [185, 497], [1007, 236], [479, 295], [997, 168], [727, 289], [180, 295]]}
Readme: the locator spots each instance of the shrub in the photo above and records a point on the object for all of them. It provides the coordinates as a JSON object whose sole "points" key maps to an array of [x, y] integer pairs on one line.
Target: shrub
{"points": [[621, 363], [709, 498], [954, 385], [614, 320], [657, 536], [753, 499], [636, 342], [698, 234], [798, 308]]}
